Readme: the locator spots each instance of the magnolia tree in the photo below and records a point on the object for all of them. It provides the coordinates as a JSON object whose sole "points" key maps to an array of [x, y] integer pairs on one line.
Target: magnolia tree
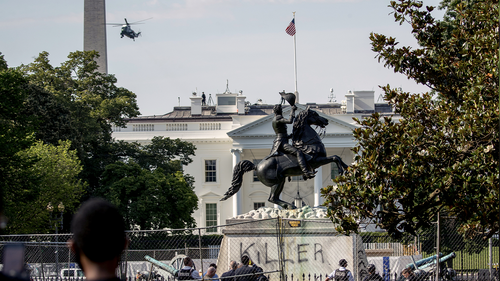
{"points": [[442, 155]]}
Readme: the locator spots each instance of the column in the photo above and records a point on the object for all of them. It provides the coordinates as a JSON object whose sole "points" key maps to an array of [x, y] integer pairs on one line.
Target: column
{"points": [[237, 197], [318, 184]]}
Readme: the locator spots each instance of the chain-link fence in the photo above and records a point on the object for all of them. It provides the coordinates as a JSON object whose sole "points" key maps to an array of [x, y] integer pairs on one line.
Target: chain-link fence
{"points": [[285, 249]]}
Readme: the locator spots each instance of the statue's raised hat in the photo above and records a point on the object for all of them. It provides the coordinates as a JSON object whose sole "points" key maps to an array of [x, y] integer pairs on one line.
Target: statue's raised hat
{"points": [[289, 97]]}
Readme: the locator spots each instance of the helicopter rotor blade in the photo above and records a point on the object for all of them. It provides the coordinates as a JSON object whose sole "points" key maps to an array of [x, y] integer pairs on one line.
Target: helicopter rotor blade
{"points": [[137, 22]]}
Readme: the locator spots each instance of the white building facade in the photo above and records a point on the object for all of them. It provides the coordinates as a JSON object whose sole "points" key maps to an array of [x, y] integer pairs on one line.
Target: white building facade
{"points": [[233, 130]]}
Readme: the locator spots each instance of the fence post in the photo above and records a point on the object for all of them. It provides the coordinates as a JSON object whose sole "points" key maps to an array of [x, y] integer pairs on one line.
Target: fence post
{"points": [[57, 255], [490, 257], [199, 244], [41, 259], [281, 246], [69, 259], [438, 244], [123, 265]]}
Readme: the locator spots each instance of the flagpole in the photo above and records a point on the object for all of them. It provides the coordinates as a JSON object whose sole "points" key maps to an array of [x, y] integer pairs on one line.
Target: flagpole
{"points": [[295, 62]]}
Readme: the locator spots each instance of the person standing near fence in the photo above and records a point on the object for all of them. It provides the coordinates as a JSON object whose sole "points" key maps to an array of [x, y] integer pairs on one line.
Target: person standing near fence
{"points": [[232, 268], [215, 276], [342, 273], [210, 274], [246, 268], [98, 239], [188, 272], [372, 275], [409, 275]]}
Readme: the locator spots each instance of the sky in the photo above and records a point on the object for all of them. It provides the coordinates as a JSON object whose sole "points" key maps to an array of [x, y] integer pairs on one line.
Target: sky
{"points": [[203, 45]]}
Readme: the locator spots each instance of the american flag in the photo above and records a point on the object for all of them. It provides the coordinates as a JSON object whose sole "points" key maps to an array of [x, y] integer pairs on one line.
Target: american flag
{"points": [[290, 30]]}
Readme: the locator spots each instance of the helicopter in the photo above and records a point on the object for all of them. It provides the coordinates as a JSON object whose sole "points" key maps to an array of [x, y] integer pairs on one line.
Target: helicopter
{"points": [[127, 30]]}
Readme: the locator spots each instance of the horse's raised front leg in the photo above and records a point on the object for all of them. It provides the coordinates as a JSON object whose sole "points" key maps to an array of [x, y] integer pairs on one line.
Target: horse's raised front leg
{"points": [[274, 197], [320, 161]]}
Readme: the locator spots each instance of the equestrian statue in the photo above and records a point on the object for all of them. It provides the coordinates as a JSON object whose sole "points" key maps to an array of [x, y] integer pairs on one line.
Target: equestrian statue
{"points": [[302, 157]]}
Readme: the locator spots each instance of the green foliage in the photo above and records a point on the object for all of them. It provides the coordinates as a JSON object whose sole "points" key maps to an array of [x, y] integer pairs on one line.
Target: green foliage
{"points": [[442, 155], [148, 186], [16, 134], [82, 105], [15, 127], [74, 103], [91, 96], [52, 120], [161, 152], [3, 63], [56, 170]]}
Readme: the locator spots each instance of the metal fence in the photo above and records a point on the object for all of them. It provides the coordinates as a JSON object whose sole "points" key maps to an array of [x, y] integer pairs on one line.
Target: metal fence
{"points": [[286, 249]]}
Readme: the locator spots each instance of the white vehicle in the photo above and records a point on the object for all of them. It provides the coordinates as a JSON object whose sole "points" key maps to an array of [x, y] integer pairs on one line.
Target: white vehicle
{"points": [[72, 273]]}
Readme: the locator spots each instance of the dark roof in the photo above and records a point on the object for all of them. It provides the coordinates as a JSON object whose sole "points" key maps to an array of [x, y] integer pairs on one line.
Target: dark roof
{"points": [[260, 109], [327, 108], [209, 113]]}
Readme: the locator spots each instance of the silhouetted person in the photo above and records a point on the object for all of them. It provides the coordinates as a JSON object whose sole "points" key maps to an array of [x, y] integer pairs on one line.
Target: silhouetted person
{"points": [[341, 273], [233, 265], [246, 269], [372, 275], [210, 273], [215, 274], [188, 272], [203, 99], [409, 275], [98, 239]]}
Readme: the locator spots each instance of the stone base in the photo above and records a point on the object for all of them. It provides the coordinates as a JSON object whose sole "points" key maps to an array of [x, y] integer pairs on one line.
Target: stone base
{"points": [[311, 245]]}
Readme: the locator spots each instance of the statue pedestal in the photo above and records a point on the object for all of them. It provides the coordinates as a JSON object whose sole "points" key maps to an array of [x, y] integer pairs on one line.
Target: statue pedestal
{"points": [[310, 243]]}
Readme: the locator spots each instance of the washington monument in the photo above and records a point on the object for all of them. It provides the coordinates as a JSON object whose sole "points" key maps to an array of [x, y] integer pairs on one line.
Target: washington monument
{"points": [[94, 31]]}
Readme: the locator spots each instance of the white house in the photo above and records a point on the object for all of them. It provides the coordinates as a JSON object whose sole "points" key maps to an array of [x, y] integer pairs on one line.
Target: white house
{"points": [[233, 130]]}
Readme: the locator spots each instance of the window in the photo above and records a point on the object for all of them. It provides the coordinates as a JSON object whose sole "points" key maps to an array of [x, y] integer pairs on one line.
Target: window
{"points": [[334, 170], [226, 101], [257, 205], [210, 170], [211, 216], [210, 126], [255, 162], [177, 127], [143, 127]]}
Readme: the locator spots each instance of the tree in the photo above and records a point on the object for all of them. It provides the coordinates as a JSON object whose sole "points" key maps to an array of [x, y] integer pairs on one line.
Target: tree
{"points": [[56, 169], [149, 199], [3, 63], [73, 103], [442, 155], [16, 133], [148, 186], [83, 106]]}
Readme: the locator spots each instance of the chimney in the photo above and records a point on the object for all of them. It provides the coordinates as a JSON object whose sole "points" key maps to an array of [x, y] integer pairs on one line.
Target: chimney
{"points": [[364, 101], [349, 102], [195, 104], [240, 103]]}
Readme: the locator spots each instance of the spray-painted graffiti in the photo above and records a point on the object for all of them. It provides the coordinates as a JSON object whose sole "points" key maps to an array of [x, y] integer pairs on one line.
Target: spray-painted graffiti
{"points": [[303, 252], [309, 254]]}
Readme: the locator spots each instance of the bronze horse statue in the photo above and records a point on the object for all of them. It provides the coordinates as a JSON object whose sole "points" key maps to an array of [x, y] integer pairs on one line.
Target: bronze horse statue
{"points": [[274, 170]]}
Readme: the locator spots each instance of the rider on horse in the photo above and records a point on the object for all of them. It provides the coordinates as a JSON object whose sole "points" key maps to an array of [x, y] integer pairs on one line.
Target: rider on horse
{"points": [[281, 145]]}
